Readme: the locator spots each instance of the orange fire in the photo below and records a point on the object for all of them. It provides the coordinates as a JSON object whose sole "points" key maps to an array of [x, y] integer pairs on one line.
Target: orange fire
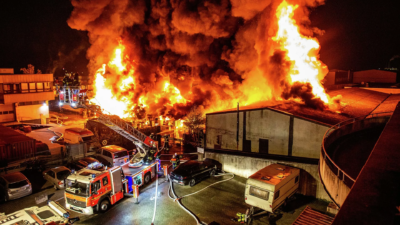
{"points": [[116, 82], [302, 51]]}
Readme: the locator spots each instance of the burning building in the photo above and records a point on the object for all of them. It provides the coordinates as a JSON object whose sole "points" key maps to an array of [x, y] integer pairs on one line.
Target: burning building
{"points": [[164, 57]]}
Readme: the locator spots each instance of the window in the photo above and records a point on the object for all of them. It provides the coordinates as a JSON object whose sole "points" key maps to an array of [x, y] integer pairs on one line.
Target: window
{"points": [[39, 87], [107, 154], [105, 181], [51, 174], [296, 180], [277, 194], [1, 112], [16, 88], [94, 185], [7, 88], [24, 88], [18, 184], [5, 112], [10, 112], [32, 87], [120, 154], [259, 193], [47, 86]]}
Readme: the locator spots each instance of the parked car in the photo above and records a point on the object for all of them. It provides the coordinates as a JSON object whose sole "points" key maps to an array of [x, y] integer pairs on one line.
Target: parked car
{"points": [[114, 154], [87, 162], [57, 176], [192, 172], [14, 185]]}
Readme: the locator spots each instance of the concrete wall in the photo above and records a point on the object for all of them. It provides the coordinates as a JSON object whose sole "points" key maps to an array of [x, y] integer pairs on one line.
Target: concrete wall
{"points": [[226, 126], [307, 138], [374, 76], [333, 180], [246, 166], [31, 112]]}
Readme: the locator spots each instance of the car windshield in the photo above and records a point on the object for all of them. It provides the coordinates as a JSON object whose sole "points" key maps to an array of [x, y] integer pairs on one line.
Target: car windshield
{"points": [[120, 154], [18, 184], [63, 174], [77, 188]]}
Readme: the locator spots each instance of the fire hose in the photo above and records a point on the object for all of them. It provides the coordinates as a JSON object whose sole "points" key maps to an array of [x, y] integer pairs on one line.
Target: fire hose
{"points": [[177, 199]]}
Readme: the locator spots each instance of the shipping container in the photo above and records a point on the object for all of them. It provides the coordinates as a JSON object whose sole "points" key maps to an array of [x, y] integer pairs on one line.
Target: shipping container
{"points": [[14, 145]]}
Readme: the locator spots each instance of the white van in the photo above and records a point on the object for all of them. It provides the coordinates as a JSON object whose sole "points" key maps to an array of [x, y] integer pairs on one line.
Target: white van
{"points": [[271, 186], [77, 135], [115, 155]]}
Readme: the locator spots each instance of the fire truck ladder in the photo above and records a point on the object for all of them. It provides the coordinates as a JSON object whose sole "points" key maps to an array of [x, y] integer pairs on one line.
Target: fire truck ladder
{"points": [[143, 142]]}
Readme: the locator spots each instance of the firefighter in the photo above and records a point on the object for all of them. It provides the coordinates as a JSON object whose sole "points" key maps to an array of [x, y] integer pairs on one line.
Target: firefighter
{"points": [[175, 161], [166, 144]]}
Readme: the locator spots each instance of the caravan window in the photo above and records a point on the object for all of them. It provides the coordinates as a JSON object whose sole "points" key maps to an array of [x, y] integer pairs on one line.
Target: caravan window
{"points": [[296, 180], [259, 193]]}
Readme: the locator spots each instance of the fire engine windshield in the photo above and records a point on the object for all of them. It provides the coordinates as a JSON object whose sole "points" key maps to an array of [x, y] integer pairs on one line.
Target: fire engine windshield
{"points": [[77, 188]]}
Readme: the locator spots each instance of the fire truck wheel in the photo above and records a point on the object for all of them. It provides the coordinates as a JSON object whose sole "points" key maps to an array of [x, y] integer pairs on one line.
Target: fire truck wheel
{"points": [[192, 182], [104, 205], [147, 178]]}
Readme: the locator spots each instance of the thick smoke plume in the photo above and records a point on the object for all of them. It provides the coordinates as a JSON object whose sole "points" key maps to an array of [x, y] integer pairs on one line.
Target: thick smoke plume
{"points": [[216, 52]]}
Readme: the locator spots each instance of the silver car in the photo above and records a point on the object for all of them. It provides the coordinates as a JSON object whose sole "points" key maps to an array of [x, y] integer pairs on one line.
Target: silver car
{"points": [[56, 176], [15, 185]]}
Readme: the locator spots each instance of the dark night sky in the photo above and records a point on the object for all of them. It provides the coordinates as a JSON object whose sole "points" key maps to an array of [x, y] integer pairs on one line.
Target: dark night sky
{"points": [[358, 35]]}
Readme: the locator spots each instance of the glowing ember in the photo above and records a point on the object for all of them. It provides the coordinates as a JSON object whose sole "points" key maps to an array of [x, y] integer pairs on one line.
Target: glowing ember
{"points": [[302, 51]]}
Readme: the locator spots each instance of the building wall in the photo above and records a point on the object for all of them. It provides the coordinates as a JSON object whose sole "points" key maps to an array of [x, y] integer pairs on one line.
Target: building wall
{"points": [[245, 166], [276, 133], [6, 113], [32, 112], [26, 78], [271, 126], [225, 126], [374, 76], [307, 138], [27, 97]]}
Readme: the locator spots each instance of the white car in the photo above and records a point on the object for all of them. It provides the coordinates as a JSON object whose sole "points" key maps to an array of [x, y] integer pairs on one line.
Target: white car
{"points": [[15, 185], [56, 176]]}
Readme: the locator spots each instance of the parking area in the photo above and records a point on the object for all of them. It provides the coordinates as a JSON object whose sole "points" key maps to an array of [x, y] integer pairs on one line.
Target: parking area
{"points": [[218, 203]]}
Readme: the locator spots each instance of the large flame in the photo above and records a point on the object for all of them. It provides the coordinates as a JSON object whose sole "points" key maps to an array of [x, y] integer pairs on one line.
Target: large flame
{"points": [[119, 91], [302, 51]]}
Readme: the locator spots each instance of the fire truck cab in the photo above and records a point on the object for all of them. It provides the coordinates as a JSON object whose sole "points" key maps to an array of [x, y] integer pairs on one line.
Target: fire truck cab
{"points": [[90, 190]]}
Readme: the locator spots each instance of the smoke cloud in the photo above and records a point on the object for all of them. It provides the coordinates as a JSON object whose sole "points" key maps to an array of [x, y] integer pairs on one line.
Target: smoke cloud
{"points": [[216, 52]]}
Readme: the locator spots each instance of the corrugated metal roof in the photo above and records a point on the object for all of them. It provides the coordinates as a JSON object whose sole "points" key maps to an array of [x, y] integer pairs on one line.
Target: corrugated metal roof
{"points": [[312, 217], [9, 136]]}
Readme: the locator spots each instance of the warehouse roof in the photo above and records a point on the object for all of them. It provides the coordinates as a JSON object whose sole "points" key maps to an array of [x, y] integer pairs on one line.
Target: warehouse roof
{"points": [[356, 102], [10, 136]]}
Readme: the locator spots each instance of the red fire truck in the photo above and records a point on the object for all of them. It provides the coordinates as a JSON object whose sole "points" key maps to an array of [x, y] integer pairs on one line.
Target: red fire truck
{"points": [[88, 190]]}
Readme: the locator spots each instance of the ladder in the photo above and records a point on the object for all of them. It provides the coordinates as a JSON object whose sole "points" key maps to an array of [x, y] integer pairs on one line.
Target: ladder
{"points": [[143, 143]]}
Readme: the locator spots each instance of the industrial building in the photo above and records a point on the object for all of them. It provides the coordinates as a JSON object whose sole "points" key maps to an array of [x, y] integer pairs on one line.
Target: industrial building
{"points": [[24, 97], [258, 135]]}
